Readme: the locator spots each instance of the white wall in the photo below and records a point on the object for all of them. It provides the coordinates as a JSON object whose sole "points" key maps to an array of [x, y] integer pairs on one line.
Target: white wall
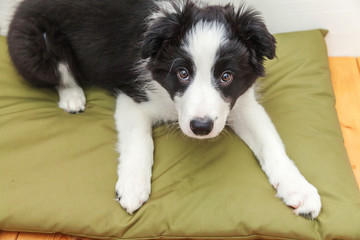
{"points": [[6, 11], [340, 17]]}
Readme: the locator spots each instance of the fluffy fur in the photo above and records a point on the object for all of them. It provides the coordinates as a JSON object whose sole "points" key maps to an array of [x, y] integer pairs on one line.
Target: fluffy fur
{"points": [[166, 61]]}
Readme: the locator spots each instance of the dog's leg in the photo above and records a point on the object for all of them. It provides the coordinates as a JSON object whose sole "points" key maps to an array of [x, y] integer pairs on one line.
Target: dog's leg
{"points": [[251, 123], [136, 147], [72, 97]]}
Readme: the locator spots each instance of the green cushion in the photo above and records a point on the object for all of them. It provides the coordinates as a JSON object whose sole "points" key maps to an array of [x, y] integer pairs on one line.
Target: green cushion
{"points": [[58, 171]]}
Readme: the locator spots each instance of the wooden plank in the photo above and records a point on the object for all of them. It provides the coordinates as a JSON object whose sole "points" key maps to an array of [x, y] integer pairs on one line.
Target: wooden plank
{"points": [[40, 236], [35, 236], [346, 82], [8, 235], [60, 236]]}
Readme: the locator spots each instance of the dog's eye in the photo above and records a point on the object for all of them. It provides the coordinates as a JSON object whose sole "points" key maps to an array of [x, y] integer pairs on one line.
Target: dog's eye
{"points": [[183, 75], [226, 78]]}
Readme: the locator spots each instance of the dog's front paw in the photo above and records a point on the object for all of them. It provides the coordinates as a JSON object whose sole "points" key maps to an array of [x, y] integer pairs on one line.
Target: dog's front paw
{"points": [[132, 192], [300, 195], [72, 100]]}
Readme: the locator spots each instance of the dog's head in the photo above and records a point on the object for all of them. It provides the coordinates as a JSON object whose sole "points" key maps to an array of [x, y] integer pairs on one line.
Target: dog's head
{"points": [[205, 57]]}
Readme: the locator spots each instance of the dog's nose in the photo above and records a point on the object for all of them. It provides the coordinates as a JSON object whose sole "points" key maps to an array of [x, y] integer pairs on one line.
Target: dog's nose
{"points": [[201, 126]]}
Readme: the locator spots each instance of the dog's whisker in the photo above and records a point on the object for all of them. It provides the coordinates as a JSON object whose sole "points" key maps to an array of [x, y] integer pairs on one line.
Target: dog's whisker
{"points": [[225, 132], [172, 128]]}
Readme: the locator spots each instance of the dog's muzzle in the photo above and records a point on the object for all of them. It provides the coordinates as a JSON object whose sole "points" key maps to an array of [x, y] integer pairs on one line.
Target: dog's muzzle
{"points": [[201, 126]]}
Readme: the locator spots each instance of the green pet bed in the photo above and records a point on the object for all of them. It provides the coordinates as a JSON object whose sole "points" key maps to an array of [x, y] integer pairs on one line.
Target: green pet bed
{"points": [[58, 171]]}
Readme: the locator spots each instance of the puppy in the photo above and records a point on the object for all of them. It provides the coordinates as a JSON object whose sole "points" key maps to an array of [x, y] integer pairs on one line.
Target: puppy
{"points": [[166, 61]]}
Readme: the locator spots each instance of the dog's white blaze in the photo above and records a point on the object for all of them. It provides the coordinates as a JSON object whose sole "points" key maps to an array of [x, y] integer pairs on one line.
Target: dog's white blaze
{"points": [[201, 99], [203, 42]]}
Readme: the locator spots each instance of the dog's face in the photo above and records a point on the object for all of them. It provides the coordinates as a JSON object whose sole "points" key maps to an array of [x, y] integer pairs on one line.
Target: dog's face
{"points": [[206, 57]]}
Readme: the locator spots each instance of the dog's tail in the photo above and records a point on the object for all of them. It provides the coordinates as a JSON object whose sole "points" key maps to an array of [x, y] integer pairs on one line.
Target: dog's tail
{"points": [[36, 47]]}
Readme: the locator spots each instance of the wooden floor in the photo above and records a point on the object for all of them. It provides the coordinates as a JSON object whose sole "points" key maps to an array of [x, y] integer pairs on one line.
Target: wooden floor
{"points": [[345, 74], [34, 236]]}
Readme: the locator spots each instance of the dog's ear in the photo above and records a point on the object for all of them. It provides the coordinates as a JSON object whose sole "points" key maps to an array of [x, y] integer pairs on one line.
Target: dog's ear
{"points": [[165, 26], [160, 30], [250, 29]]}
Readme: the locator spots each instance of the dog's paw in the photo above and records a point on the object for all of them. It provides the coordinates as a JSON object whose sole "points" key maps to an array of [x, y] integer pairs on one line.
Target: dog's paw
{"points": [[132, 192], [72, 100], [300, 195]]}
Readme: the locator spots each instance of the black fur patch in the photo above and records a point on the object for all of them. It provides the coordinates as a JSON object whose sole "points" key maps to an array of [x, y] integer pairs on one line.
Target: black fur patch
{"points": [[99, 40], [103, 41]]}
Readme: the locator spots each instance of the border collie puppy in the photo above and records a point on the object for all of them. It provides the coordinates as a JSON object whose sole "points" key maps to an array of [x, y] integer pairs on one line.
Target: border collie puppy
{"points": [[166, 61]]}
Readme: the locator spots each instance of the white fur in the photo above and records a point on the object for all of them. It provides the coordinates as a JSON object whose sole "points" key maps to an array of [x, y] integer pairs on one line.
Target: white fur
{"points": [[158, 97], [201, 99], [72, 97], [251, 123], [134, 125], [134, 170]]}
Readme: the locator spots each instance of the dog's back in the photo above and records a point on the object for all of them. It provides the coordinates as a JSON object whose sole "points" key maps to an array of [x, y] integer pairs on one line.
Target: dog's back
{"points": [[97, 40]]}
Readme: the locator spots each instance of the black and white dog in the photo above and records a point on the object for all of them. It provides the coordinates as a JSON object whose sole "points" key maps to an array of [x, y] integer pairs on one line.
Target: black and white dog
{"points": [[166, 61]]}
